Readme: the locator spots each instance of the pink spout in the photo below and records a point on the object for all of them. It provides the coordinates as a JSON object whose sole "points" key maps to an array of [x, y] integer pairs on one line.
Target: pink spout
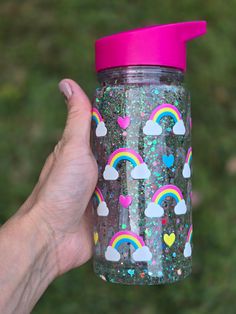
{"points": [[191, 30], [162, 45]]}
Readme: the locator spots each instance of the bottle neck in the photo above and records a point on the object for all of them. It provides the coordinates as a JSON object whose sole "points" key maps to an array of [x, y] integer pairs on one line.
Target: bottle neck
{"points": [[141, 75]]}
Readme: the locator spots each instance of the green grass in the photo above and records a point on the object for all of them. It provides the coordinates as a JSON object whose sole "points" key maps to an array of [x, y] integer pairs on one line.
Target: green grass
{"points": [[44, 41]]}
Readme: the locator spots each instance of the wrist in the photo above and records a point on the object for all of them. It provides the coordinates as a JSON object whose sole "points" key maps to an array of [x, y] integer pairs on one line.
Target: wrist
{"points": [[26, 263], [43, 237]]}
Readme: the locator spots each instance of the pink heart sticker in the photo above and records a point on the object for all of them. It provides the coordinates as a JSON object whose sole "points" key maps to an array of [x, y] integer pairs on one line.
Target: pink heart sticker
{"points": [[123, 122], [125, 201]]}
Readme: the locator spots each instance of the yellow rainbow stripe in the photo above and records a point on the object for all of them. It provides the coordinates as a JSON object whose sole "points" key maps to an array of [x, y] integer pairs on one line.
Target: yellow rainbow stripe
{"points": [[190, 234], [127, 238], [189, 156], [98, 195], [96, 116], [124, 154], [120, 155], [167, 190], [163, 112]]}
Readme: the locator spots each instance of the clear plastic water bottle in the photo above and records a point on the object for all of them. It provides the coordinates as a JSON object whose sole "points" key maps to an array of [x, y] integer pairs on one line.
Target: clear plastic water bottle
{"points": [[141, 133]]}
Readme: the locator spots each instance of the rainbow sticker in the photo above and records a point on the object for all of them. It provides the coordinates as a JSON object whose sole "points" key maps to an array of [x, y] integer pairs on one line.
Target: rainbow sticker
{"points": [[153, 127], [190, 123], [140, 170], [190, 234], [187, 165], [95, 237], [101, 129], [141, 253], [102, 209], [188, 247], [154, 208]]}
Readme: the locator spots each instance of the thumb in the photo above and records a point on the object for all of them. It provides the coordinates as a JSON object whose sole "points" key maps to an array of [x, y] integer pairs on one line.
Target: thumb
{"points": [[78, 122]]}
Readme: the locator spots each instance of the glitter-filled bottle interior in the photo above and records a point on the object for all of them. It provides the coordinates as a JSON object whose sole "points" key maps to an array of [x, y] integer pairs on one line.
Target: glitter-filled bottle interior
{"points": [[141, 136]]}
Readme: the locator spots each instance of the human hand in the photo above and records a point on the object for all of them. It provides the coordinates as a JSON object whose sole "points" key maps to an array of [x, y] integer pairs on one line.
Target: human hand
{"points": [[57, 205], [52, 231]]}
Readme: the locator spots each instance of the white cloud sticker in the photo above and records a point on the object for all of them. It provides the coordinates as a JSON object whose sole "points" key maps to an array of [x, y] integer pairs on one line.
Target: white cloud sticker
{"points": [[180, 208], [102, 209], [141, 172], [110, 173], [187, 250], [154, 210], [179, 128], [186, 171], [112, 254], [142, 254], [101, 129], [152, 128]]}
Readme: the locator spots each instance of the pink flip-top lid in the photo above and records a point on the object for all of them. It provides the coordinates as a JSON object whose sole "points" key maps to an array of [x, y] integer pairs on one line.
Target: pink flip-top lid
{"points": [[163, 45]]}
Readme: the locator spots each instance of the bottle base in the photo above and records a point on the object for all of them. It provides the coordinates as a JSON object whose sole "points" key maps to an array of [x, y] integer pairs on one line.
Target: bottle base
{"points": [[142, 275]]}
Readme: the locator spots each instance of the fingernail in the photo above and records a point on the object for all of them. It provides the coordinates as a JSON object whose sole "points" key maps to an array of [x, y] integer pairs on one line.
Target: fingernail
{"points": [[65, 89]]}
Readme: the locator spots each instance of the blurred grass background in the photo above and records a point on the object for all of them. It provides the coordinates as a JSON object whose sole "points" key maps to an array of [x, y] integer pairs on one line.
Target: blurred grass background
{"points": [[43, 41]]}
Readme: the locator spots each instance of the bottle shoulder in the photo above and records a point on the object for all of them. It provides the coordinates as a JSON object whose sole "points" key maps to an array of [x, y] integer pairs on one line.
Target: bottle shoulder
{"points": [[141, 75]]}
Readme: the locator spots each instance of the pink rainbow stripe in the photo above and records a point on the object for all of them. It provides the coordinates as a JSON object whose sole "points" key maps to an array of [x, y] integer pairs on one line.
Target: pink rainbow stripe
{"points": [[126, 234], [190, 123], [168, 188], [189, 155], [190, 232], [165, 106], [99, 194], [123, 151], [97, 114]]}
